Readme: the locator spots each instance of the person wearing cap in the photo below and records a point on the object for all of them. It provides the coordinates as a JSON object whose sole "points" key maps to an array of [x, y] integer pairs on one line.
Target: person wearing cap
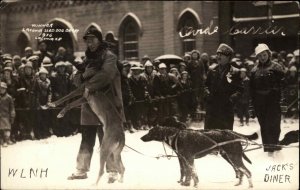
{"points": [[165, 85], [28, 52], [60, 55], [61, 86], [10, 81], [25, 102], [182, 67], [145, 59], [197, 74], [127, 97], [7, 115], [265, 89], [174, 71], [69, 67], [98, 80], [35, 62], [243, 99], [42, 52], [149, 75], [185, 102], [187, 58], [16, 61], [204, 58], [48, 65], [222, 88], [42, 97], [138, 86]]}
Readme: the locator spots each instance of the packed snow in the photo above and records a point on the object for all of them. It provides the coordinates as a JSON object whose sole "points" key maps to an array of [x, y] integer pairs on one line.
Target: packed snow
{"points": [[54, 159]]}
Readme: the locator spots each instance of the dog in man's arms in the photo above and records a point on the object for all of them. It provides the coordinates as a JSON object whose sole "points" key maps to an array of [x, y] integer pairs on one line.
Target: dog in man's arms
{"points": [[191, 144]]}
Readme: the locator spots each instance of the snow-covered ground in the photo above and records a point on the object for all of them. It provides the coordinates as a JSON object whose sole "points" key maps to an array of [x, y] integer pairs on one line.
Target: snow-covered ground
{"points": [[56, 158]]}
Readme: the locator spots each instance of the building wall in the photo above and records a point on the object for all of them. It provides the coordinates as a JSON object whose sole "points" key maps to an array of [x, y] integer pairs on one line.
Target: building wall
{"points": [[159, 20]]}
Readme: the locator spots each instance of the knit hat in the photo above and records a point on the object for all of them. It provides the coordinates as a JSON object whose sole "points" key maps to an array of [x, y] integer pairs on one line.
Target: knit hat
{"points": [[260, 48]]}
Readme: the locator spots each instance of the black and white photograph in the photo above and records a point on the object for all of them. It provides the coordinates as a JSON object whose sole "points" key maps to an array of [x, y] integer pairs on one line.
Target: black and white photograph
{"points": [[100, 94]]}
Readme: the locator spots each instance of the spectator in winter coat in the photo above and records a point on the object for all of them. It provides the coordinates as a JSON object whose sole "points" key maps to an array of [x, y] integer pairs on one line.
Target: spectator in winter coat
{"points": [[138, 85], [185, 96], [182, 67], [42, 53], [149, 74], [7, 115], [198, 75], [265, 88], [43, 96], [61, 86], [243, 99], [165, 87], [127, 97], [60, 55], [25, 101], [222, 87], [10, 81]]}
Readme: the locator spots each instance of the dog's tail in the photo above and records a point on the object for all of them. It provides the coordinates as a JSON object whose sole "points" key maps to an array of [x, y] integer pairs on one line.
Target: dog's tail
{"points": [[246, 158]]}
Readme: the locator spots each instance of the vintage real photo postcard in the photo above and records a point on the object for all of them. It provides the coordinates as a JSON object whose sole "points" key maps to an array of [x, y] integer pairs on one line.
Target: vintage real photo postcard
{"points": [[149, 94]]}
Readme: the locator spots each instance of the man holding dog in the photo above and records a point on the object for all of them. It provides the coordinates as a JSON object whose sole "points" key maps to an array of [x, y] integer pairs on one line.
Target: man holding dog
{"points": [[222, 87], [102, 87]]}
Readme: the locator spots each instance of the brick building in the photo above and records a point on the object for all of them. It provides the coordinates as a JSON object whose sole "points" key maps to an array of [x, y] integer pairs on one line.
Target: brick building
{"points": [[139, 27], [146, 27]]}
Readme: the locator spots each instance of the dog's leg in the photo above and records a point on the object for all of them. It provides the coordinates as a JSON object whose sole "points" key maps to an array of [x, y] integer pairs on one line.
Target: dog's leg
{"points": [[236, 158], [103, 158], [120, 166], [189, 161], [236, 170], [182, 169]]}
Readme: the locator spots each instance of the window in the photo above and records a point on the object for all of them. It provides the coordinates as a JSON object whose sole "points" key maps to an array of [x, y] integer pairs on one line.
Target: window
{"points": [[188, 20], [130, 40]]}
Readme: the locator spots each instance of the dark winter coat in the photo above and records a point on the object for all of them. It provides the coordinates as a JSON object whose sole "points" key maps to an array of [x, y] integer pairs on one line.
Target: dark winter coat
{"points": [[165, 85], [42, 91], [106, 81], [222, 88], [60, 85], [25, 98], [7, 112], [138, 87], [265, 88]]}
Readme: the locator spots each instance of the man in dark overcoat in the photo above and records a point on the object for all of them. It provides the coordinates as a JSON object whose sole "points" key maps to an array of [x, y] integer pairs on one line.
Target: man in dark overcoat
{"points": [[104, 96], [222, 87]]}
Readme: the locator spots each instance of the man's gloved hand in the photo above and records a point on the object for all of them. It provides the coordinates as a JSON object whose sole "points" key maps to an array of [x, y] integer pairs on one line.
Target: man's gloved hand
{"points": [[89, 72]]}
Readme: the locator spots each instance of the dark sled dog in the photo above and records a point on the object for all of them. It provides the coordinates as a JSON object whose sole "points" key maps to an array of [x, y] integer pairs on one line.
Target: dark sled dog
{"points": [[191, 144]]}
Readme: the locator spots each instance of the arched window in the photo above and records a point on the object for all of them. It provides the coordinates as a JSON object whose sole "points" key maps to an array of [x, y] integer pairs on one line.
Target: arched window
{"points": [[129, 36], [186, 20], [63, 38], [23, 41]]}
